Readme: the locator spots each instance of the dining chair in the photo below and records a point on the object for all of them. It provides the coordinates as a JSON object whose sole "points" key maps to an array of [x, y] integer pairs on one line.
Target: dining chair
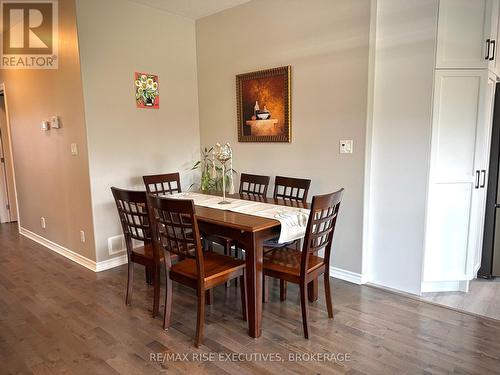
{"points": [[163, 184], [291, 190], [302, 267], [176, 232], [250, 184], [132, 209]]}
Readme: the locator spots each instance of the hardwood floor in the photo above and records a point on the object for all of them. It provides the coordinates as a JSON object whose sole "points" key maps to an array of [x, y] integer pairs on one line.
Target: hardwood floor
{"points": [[58, 317], [483, 298]]}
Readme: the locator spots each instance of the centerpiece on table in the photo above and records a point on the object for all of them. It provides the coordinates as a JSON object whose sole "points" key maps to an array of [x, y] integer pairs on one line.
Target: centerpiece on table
{"points": [[215, 177]]}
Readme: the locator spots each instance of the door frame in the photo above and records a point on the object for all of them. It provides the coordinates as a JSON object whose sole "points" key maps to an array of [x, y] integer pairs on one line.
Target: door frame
{"points": [[8, 144]]}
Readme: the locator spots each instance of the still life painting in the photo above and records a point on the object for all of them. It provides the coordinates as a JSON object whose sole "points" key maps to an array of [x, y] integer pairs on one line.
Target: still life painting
{"points": [[147, 94], [263, 100]]}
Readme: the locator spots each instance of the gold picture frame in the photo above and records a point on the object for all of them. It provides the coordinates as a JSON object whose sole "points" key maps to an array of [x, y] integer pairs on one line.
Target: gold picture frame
{"points": [[264, 105]]}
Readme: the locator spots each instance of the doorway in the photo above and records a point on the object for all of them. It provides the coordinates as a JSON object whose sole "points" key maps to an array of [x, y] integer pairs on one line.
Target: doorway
{"points": [[8, 200]]}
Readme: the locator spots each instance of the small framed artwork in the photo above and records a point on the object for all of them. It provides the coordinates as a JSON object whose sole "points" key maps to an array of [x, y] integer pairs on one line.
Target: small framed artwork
{"points": [[263, 100], [147, 90]]}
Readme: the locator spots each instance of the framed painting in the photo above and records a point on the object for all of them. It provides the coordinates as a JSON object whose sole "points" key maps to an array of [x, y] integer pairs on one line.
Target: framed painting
{"points": [[147, 90], [263, 100]]}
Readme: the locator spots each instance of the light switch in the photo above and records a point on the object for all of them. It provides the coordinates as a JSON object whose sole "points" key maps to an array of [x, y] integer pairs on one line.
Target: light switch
{"points": [[74, 149], [54, 122], [346, 146], [44, 126]]}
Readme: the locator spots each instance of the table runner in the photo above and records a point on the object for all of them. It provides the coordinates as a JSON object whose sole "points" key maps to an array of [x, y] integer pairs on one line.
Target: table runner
{"points": [[293, 219]]}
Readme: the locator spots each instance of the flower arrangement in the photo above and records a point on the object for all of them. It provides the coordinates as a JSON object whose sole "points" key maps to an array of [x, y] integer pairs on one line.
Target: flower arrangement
{"points": [[211, 173], [146, 90]]}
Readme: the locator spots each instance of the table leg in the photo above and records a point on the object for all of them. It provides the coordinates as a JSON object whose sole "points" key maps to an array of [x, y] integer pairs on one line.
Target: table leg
{"points": [[312, 290], [254, 254]]}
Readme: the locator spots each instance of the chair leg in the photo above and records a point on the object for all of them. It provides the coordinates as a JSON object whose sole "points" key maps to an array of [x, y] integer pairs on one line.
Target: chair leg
{"points": [[167, 312], [227, 252], [201, 318], [304, 305], [265, 289], [328, 295], [130, 283], [243, 289], [149, 281], [209, 296], [156, 286], [282, 290]]}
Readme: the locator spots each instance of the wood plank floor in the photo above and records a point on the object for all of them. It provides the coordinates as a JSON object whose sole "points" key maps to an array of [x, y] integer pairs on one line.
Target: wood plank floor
{"points": [[483, 298], [57, 317]]}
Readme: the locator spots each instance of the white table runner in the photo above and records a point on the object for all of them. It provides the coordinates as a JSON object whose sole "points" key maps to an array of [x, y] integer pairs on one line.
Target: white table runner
{"points": [[293, 219]]}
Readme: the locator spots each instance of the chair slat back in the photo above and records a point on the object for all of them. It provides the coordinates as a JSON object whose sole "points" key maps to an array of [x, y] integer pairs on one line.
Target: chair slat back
{"points": [[289, 188], [132, 209], [175, 229], [254, 184], [163, 184], [321, 226]]}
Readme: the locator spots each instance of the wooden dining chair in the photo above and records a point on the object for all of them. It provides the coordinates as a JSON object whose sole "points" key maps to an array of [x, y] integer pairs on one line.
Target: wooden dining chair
{"points": [[250, 184], [163, 184], [132, 209], [175, 231], [291, 190], [302, 267], [254, 184]]}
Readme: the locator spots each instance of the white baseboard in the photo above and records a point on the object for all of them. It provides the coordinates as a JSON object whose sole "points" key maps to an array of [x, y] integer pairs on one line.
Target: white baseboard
{"points": [[111, 263], [445, 286], [352, 277], [71, 255]]}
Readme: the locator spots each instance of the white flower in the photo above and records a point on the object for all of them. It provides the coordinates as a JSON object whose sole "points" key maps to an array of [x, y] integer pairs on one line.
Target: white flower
{"points": [[154, 86], [137, 83], [150, 81], [144, 78]]}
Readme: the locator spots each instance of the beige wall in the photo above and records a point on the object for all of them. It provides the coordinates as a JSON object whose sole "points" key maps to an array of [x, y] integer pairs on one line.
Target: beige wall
{"points": [[116, 39], [51, 182], [326, 43]]}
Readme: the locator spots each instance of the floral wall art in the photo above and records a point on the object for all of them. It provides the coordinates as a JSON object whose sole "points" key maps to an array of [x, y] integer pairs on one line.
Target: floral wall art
{"points": [[147, 94]]}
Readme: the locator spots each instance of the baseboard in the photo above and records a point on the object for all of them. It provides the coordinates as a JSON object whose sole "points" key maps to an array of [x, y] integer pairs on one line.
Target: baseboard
{"points": [[445, 286], [71, 255], [352, 277], [111, 263]]}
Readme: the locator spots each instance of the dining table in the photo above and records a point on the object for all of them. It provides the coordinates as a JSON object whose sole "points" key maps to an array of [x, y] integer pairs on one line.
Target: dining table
{"points": [[249, 232]]}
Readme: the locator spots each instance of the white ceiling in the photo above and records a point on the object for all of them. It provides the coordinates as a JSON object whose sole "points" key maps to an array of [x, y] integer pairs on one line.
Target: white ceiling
{"points": [[193, 9]]}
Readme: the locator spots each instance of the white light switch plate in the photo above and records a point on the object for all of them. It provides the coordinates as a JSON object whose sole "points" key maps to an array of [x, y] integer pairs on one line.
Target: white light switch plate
{"points": [[345, 146], [74, 149]]}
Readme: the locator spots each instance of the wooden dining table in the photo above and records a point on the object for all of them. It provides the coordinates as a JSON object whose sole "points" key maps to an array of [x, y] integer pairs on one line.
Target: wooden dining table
{"points": [[249, 232]]}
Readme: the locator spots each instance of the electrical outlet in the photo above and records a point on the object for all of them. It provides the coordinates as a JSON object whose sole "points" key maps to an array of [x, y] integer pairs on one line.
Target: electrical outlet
{"points": [[82, 236], [345, 146], [42, 222]]}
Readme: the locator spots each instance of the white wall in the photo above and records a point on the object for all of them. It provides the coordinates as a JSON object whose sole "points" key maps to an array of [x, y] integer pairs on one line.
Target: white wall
{"points": [[404, 67], [326, 43], [116, 39]]}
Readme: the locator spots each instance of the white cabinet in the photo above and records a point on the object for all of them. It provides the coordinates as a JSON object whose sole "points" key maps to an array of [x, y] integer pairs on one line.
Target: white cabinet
{"points": [[492, 38], [458, 157], [463, 29]]}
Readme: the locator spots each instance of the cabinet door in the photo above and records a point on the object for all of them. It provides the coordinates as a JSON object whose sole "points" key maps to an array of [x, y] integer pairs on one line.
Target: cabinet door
{"points": [[482, 163], [463, 28], [452, 212], [493, 55]]}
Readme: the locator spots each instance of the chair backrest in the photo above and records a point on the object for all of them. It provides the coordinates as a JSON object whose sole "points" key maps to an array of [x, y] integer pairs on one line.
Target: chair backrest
{"points": [[254, 184], [163, 184], [291, 188], [320, 227], [132, 209], [175, 229]]}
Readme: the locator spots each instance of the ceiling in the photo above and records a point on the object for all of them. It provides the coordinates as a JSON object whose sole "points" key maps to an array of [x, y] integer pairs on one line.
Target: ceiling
{"points": [[193, 9]]}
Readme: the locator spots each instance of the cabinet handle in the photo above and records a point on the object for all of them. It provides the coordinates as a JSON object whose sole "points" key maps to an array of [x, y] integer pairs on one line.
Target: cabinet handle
{"points": [[483, 184], [488, 41], [493, 43], [476, 185]]}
